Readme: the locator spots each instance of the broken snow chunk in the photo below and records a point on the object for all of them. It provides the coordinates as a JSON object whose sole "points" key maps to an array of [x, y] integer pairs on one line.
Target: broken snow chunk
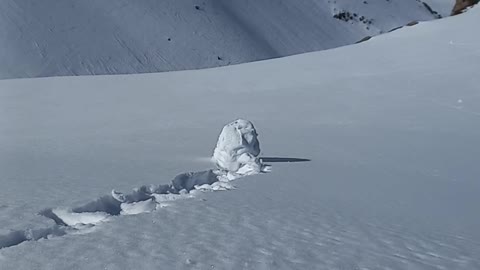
{"points": [[237, 146]]}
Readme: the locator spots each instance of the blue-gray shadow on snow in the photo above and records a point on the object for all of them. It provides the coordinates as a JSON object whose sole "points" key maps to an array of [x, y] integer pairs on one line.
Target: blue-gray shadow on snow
{"points": [[283, 159]]}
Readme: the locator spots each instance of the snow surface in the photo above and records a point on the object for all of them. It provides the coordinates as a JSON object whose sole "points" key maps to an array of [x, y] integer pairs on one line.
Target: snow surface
{"points": [[390, 127], [71, 37], [236, 154]]}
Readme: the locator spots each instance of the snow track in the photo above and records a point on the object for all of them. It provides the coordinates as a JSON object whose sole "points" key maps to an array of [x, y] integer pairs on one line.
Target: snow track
{"points": [[238, 147], [17, 237], [144, 199]]}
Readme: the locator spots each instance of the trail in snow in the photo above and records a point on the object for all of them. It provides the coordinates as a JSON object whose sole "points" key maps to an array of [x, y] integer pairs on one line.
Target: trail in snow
{"points": [[144, 199], [235, 155]]}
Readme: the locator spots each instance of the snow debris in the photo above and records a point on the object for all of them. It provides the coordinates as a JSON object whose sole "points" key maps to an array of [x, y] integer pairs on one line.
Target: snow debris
{"points": [[237, 148]]}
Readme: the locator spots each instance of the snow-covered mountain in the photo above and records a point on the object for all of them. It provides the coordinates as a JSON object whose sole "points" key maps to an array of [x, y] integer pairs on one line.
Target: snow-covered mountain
{"points": [[70, 37], [443, 7], [388, 131]]}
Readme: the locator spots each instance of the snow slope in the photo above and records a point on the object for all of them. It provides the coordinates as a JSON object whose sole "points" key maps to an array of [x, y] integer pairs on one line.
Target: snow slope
{"points": [[55, 38], [443, 7], [390, 127]]}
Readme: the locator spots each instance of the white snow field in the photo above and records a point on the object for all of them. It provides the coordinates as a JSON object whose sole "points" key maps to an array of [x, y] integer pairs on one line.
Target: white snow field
{"points": [[71, 37], [391, 127]]}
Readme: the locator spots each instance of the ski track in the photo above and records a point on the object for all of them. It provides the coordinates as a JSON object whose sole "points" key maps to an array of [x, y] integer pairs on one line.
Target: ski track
{"points": [[144, 199]]}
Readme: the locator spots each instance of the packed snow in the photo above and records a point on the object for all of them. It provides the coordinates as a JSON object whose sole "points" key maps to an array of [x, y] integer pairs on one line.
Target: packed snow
{"points": [[373, 147], [238, 148], [71, 37]]}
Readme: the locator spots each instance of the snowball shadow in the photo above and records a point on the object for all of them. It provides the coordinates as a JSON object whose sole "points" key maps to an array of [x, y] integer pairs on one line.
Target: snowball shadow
{"points": [[283, 159]]}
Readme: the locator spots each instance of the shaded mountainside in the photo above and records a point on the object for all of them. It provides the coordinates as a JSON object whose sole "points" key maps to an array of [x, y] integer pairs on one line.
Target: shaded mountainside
{"points": [[56, 38]]}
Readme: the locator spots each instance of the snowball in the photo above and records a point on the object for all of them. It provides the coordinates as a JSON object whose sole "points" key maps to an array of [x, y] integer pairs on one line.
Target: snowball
{"points": [[237, 146]]}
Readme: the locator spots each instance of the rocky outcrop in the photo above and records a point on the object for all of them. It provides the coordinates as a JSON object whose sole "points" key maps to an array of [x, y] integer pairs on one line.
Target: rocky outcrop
{"points": [[461, 5]]}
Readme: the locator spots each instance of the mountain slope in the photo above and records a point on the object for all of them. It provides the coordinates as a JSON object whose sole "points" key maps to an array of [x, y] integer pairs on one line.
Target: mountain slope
{"points": [[51, 38], [443, 7], [391, 128]]}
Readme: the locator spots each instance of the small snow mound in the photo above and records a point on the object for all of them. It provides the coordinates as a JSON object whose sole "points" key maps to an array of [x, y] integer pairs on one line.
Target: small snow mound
{"points": [[217, 186], [72, 219], [138, 207], [237, 146]]}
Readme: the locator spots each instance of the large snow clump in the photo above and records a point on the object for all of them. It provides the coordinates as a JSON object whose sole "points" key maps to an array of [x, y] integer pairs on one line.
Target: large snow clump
{"points": [[237, 148]]}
